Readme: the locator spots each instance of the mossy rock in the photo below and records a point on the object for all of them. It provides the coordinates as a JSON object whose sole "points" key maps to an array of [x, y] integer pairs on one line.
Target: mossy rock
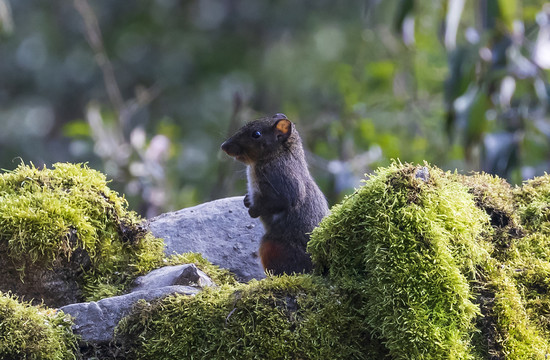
{"points": [[416, 264], [282, 317], [407, 244], [509, 291], [442, 264], [218, 275], [65, 236], [34, 332]]}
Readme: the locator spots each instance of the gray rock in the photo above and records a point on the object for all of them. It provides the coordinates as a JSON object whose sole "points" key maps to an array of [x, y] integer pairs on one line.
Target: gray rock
{"points": [[220, 230], [95, 321], [186, 274], [423, 174]]}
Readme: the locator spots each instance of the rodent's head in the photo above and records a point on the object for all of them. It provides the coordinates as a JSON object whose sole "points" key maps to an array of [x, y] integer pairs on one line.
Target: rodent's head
{"points": [[260, 139]]}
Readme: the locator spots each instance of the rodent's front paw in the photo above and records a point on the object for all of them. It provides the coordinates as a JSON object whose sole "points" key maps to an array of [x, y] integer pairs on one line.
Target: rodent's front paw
{"points": [[247, 201], [253, 212]]}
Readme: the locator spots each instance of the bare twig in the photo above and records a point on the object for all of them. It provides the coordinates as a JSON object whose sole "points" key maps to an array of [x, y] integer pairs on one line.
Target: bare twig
{"points": [[113, 143], [143, 98], [93, 35]]}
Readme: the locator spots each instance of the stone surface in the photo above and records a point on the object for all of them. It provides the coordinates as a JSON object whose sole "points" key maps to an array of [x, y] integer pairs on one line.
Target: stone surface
{"points": [[187, 275], [95, 321], [220, 230], [423, 174]]}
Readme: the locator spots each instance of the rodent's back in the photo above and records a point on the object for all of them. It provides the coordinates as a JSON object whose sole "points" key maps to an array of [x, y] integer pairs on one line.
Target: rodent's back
{"points": [[283, 247], [286, 178]]}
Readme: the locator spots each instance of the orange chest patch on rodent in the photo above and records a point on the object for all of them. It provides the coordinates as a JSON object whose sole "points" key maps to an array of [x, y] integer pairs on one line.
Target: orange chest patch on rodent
{"points": [[271, 254]]}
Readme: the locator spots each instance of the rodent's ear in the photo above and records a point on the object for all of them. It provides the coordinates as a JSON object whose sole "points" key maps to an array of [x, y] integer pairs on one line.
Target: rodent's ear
{"points": [[279, 116], [283, 128]]}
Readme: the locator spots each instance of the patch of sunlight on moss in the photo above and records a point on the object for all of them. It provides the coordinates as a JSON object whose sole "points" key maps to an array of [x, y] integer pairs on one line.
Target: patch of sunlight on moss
{"points": [[34, 332], [49, 215]]}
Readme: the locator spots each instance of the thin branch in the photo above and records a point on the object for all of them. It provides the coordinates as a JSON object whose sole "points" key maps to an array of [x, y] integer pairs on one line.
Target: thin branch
{"points": [[144, 96], [125, 110], [93, 35]]}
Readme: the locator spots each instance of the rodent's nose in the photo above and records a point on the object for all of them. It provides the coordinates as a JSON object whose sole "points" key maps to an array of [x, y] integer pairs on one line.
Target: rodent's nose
{"points": [[229, 148], [224, 146]]}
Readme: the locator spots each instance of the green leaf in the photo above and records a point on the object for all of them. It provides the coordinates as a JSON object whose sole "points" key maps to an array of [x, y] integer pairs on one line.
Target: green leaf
{"points": [[508, 10], [77, 128]]}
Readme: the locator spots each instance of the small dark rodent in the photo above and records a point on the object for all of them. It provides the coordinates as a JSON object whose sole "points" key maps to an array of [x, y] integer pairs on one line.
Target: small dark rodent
{"points": [[280, 191]]}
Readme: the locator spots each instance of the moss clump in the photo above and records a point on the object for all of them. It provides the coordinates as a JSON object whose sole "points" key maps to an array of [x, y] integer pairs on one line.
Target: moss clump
{"points": [[533, 200], [287, 317], [50, 217], [495, 196], [34, 332], [514, 291], [517, 337], [432, 257], [408, 245], [521, 282]]}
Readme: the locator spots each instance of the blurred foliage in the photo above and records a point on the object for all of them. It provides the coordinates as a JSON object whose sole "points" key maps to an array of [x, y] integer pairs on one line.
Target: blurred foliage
{"points": [[497, 92], [146, 91]]}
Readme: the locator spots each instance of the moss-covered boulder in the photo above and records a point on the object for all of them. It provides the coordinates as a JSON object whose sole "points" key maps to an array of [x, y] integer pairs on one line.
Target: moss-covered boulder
{"points": [[286, 317], [34, 332], [445, 265], [416, 264], [407, 246], [65, 236]]}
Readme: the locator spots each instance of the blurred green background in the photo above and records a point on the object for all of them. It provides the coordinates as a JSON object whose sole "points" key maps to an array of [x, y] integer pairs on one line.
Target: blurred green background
{"points": [[146, 91]]}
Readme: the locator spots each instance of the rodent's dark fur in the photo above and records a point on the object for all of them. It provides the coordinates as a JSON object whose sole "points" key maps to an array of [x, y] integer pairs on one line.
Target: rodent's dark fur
{"points": [[281, 191]]}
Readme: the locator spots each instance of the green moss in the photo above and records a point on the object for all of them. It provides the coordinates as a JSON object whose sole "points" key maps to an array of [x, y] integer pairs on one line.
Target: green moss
{"points": [[287, 317], [517, 336], [416, 264], [529, 268], [410, 249], [533, 200], [34, 332], [530, 263], [495, 196], [50, 216]]}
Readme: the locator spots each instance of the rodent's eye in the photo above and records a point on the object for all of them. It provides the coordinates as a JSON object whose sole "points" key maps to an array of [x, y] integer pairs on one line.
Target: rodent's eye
{"points": [[256, 135]]}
